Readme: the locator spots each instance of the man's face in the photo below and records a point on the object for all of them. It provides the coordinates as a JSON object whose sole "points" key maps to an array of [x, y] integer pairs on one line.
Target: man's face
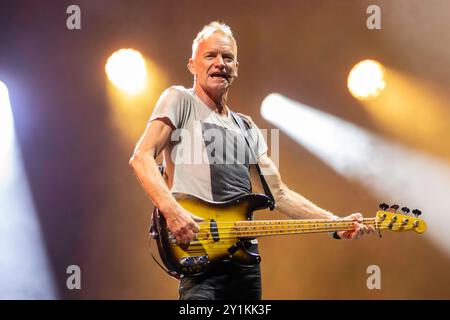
{"points": [[215, 64]]}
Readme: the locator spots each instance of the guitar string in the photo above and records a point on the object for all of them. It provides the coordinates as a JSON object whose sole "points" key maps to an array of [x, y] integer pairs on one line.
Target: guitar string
{"points": [[242, 232], [239, 229], [296, 221], [236, 233], [309, 220], [269, 228], [255, 226], [257, 233], [288, 222], [199, 247], [253, 234]]}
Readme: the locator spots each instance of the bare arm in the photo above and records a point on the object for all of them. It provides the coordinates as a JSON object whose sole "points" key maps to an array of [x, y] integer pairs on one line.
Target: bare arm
{"points": [[287, 201], [296, 206], [155, 138]]}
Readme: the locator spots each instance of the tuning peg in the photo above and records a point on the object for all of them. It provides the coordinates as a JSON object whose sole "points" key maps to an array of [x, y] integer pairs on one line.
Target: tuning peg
{"points": [[394, 207], [406, 210], [417, 212], [383, 206]]}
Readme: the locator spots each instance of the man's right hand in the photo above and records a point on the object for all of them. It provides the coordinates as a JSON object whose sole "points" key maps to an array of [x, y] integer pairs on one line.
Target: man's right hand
{"points": [[183, 224]]}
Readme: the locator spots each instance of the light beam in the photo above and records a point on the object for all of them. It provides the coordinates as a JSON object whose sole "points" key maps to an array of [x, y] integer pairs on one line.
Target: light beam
{"points": [[24, 269], [391, 171]]}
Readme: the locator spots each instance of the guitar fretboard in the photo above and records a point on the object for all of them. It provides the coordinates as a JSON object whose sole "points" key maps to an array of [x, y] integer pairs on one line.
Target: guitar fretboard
{"points": [[283, 227]]}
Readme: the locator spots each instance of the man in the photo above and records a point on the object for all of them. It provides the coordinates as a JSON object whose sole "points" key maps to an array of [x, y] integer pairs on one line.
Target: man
{"points": [[182, 114]]}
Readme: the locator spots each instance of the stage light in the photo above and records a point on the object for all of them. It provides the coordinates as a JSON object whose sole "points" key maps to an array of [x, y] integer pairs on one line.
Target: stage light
{"points": [[413, 110], [366, 79], [24, 269], [127, 70], [6, 134], [391, 171], [130, 111]]}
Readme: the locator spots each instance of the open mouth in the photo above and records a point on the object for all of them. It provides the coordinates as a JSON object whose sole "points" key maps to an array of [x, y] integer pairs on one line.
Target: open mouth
{"points": [[219, 75]]}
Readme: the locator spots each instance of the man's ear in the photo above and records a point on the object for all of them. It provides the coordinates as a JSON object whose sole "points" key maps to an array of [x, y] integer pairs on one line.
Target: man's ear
{"points": [[191, 66], [236, 70]]}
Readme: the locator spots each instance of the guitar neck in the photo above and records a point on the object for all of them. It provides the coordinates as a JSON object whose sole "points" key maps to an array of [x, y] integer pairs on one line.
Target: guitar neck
{"points": [[261, 228]]}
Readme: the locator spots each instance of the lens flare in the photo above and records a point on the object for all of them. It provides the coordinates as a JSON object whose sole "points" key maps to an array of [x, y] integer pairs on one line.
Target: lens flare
{"points": [[366, 80], [127, 70]]}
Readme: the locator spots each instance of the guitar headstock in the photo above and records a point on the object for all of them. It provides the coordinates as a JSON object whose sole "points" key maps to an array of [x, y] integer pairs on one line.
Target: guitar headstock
{"points": [[389, 219]]}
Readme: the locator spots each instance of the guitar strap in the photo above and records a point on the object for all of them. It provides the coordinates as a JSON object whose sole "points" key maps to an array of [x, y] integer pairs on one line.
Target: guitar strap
{"points": [[253, 157]]}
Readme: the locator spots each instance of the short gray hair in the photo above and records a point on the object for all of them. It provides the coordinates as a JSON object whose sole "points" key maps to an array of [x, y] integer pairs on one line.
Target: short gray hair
{"points": [[208, 30]]}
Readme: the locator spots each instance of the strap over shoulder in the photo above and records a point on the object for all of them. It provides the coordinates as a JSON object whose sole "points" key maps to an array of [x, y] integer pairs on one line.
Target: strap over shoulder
{"points": [[247, 136]]}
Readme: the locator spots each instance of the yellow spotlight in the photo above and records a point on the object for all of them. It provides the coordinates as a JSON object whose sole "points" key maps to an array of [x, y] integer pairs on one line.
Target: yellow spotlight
{"points": [[126, 69], [366, 79]]}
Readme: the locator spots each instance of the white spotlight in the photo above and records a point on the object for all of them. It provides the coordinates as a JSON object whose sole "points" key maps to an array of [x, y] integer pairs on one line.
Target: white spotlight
{"points": [[6, 135], [24, 269]]}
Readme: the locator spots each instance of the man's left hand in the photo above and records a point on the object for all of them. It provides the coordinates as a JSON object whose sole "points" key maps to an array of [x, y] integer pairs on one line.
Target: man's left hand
{"points": [[359, 230]]}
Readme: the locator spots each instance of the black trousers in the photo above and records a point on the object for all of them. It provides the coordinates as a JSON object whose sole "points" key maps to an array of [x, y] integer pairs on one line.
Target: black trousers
{"points": [[225, 282]]}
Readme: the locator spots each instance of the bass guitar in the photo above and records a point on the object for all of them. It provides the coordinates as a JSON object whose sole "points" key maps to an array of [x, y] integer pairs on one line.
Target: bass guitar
{"points": [[227, 224]]}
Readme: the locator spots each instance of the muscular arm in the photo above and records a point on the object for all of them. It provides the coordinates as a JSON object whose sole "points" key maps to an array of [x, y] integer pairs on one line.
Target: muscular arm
{"points": [[155, 138], [287, 201], [296, 206]]}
